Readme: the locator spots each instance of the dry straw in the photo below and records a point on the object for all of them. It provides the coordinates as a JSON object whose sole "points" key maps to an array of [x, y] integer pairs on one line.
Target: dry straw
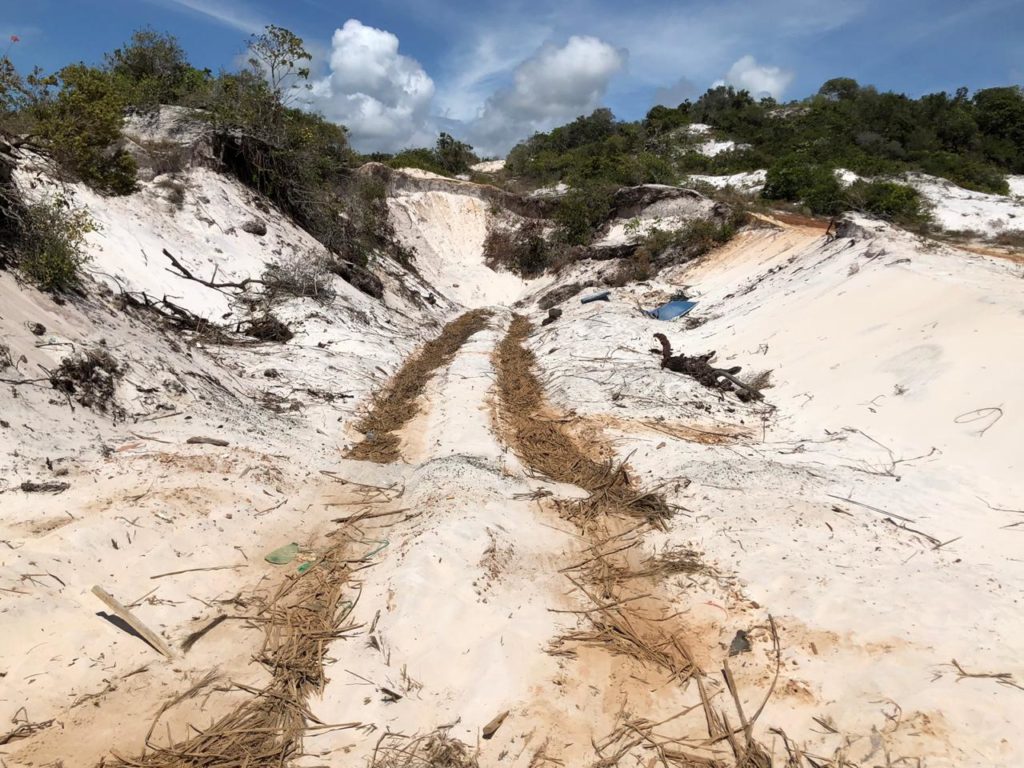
{"points": [[299, 621], [396, 407]]}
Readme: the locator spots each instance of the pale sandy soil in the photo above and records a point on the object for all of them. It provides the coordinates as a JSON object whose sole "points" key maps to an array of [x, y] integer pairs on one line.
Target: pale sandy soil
{"points": [[882, 353], [489, 166], [895, 384], [748, 181]]}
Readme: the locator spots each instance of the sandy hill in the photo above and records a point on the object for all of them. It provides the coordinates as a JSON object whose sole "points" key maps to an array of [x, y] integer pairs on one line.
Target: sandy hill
{"points": [[428, 530]]}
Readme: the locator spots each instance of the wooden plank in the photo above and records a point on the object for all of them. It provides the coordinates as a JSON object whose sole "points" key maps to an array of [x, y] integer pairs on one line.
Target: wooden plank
{"points": [[132, 621]]}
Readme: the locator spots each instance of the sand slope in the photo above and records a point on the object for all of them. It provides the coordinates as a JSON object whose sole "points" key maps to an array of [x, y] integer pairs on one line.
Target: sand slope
{"points": [[895, 385]]}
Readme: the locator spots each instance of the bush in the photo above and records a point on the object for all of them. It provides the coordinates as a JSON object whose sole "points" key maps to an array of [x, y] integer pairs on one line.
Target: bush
{"points": [[582, 211], [825, 195], [788, 179], [52, 244], [660, 248], [449, 157], [523, 250], [152, 69], [82, 122], [301, 275], [888, 200], [966, 173]]}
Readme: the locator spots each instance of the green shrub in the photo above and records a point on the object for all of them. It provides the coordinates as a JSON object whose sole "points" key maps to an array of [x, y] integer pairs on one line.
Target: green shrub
{"points": [[582, 211], [788, 179], [82, 123], [797, 180], [966, 172], [887, 200], [152, 69], [825, 195], [420, 157], [522, 250], [52, 245]]}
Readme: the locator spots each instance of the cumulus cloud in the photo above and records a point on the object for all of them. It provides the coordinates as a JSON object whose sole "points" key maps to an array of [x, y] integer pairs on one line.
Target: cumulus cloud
{"points": [[556, 84], [387, 100], [760, 80], [382, 96]]}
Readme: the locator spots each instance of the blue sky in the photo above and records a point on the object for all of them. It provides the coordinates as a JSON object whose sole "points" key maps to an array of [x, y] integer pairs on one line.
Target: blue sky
{"points": [[397, 71]]}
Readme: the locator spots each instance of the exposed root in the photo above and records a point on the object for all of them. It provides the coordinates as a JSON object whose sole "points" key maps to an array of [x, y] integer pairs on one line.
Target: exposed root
{"points": [[699, 367], [397, 406]]}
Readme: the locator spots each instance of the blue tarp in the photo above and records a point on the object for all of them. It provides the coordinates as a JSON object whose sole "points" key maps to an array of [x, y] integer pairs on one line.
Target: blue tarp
{"points": [[671, 310]]}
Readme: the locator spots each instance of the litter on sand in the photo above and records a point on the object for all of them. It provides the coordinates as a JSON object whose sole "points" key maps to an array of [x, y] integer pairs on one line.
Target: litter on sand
{"points": [[671, 310], [283, 555], [602, 296]]}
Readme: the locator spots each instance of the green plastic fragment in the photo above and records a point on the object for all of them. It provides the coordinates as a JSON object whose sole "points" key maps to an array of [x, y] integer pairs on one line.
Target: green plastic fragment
{"points": [[283, 555], [382, 543], [306, 566]]}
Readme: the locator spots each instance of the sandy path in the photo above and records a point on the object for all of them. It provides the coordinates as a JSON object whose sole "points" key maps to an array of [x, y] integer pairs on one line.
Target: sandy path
{"points": [[162, 512]]}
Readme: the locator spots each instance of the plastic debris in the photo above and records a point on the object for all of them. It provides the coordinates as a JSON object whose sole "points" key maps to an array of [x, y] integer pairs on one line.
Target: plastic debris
{"points": [[671, 310], [283, 555], [602, 296]]}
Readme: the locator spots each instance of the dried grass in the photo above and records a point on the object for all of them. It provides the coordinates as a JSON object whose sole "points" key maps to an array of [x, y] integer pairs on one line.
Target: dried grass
{"points": [[435, 750], [299, 621], [397, 405], [544, 445], [625, 612]]}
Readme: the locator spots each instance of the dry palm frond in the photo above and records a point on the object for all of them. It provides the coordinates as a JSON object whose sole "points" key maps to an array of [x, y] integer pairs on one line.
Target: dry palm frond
{"points": [[299, 621], [435, 750], [397, 406], [544, 445]]}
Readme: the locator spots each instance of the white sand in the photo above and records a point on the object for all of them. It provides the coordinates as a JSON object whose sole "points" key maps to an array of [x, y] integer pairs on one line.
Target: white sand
{"points": [[871, 614], [881, 347], [489, 166], [447, 231], [666, 215], [747, 181], [957, 209]]}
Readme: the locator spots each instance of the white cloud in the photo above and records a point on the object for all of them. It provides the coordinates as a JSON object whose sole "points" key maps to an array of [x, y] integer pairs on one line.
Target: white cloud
{"points": [[227, 13], [760, 80], [382, 96], [556, 84]]}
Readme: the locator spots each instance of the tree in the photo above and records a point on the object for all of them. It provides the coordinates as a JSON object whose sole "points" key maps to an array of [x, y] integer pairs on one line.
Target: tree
{"points": [[1000, 116], [840, 89], [280, 56], [153, 65], [454, 156], [82, 122]]}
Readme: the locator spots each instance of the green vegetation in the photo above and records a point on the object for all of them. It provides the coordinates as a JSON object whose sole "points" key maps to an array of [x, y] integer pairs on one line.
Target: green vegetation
{"points": [[522, 250], [152, 69], [582, 210], [660, 248], [971, 140], [449, 157], [593, 149], [52, 244], [795, 180], [80, 113]]}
